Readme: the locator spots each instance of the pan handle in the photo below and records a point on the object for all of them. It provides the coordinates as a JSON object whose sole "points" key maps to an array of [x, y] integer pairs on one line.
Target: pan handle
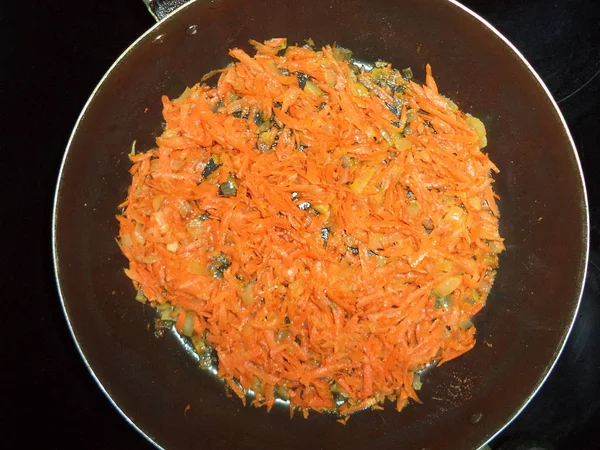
{"points": [[162, 8]]}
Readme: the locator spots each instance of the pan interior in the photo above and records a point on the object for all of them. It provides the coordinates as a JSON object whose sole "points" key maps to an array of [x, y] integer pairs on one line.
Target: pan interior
{"points": [[543, 206]]}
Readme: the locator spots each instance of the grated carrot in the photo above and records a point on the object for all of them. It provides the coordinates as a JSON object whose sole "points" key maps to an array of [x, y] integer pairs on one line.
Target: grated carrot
{"points": [[332, 229]]}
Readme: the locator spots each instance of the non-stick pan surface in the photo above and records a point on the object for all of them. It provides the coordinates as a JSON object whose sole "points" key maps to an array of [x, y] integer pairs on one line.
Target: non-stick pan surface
{"points": [[544, 220]]}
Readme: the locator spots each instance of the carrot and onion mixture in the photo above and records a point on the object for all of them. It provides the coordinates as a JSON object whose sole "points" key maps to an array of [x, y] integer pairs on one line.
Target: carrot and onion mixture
{"points": [[322, 232]]}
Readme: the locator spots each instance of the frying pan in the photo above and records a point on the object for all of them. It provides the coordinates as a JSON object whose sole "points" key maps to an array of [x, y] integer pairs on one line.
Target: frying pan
{"points": [[530, 311]]}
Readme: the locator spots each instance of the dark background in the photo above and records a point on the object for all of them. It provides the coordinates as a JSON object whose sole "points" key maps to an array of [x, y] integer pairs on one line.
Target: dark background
{"points": [[52, 54]]}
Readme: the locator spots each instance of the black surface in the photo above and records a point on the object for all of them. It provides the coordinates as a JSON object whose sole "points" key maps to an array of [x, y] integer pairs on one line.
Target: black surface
{"points": [[528, 312], [52, 56]]}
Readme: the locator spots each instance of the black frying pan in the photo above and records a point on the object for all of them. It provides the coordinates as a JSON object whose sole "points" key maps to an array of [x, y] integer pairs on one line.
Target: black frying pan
{"points": [[544, 220]]}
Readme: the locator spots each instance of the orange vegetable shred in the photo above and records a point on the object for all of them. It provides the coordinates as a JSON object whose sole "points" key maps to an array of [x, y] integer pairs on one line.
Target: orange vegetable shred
{"points": [[327, 230]]}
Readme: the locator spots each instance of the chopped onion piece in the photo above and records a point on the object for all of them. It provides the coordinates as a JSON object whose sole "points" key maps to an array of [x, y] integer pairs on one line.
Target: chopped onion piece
{"points": [[140, 297], [229, 188], [157, 202], [465, 324], [447, 286], [177, 164], [163, 226], [248, 294], [455, 214], [414, 208], [444, 302], [323, 209], [411, 115], [348, 161], [445, 266], [453, 106], [282, 392], [479, 128], [330, 77], [199, 344], [154, 165], [400, 142], [160, 307], [185, 208], [126, 240], [496, 247], [358, 89], [137, 232], [311, 87], [362, 180], [188, 324], [167, 314], [197, 268], [150, 259], [342, 54], [407, 74], [477, 125], [417, 384]]}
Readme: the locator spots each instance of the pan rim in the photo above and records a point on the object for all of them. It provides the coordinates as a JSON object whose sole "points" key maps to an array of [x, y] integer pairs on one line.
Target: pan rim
{"points": [[55, 258], [585, 207], [132, 47]]}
